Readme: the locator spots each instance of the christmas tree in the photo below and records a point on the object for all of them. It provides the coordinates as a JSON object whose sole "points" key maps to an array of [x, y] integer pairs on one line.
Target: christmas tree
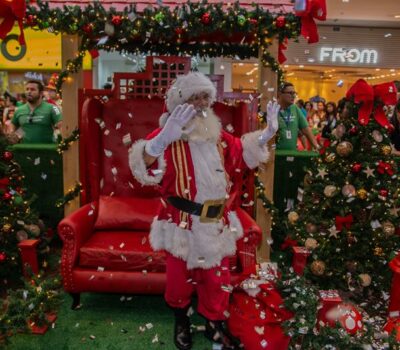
{"points": [[17, 221], [348, 214]]}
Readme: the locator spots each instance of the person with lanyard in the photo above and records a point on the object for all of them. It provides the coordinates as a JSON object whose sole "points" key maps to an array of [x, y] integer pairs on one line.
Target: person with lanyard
{"points": [[291, 121], [39, 120]]}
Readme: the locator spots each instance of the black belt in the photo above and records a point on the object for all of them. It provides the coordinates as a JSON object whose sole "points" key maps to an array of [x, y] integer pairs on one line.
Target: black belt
{"points": [[210, 211]]}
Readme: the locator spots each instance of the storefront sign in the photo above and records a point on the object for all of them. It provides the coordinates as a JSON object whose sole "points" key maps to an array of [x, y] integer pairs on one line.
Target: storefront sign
{"points": [[352, 55], [42, 52]]}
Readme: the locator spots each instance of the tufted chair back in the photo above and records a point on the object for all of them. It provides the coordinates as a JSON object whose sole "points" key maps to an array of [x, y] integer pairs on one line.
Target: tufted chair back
{"points": [[109, 128]]}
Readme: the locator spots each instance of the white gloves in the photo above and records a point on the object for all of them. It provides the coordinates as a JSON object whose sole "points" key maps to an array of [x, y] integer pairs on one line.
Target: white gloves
{"points": [[172, 130], [268, 133]]}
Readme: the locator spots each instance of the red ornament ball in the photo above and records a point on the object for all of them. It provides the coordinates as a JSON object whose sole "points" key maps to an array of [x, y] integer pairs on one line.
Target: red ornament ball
{"points": [[356, 168], [116, 20], [3, 257], [353, 131], [179, 31], [206, 18], [348, 317], [7, 156], [7, 196], [88, 28], [280, 22], [383, 193], [30, 20]]}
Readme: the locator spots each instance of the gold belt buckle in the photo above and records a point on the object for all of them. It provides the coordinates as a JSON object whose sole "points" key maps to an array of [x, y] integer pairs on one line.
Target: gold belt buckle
{"points": [[212, 203]]}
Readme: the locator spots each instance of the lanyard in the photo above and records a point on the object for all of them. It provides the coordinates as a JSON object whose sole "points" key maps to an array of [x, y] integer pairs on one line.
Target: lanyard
{"points": [[286, 116]]}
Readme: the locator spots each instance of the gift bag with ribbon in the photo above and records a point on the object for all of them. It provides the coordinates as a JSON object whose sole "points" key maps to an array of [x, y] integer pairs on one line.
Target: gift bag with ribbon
{"points": [[256, 314]]}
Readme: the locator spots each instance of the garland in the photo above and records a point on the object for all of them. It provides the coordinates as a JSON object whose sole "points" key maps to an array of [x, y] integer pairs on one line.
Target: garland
{"points": [[189, 29], [70, 195], [65, 144]]}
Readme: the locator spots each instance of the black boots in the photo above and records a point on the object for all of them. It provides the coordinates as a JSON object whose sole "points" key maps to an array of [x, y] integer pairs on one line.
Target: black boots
{"points": [[182, 336], [217, 331]]}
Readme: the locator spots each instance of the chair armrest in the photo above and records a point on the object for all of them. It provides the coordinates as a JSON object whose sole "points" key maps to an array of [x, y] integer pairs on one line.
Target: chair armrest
{"points": [[75, 230], [247, 245]]}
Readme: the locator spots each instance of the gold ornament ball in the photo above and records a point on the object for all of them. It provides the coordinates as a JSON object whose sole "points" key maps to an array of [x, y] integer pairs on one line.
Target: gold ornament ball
{"points": [[7, 227], [293, 217], [377, 136], [307, 180], [362, 193], [386, 150], [344, 148], [330, 158], [388, 228], [378, 251], [34, 229], [365, 279], [318, 267], [21, 235], [311, 228], [329, 191], [348, 190], [311, 243]]}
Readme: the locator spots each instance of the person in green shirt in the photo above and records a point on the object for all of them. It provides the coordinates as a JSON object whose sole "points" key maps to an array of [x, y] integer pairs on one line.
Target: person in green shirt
{"points": [[291, 120], [37, 118]]}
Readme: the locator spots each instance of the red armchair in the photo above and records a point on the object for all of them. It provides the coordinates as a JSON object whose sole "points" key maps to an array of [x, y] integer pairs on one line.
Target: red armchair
{"points": [[105, 242]]}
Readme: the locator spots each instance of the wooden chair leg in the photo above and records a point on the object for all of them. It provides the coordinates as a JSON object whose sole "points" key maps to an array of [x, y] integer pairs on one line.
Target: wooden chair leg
{"points": [[76, 300]]}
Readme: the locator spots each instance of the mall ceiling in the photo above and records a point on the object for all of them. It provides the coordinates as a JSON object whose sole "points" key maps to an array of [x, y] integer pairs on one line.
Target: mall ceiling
{"points": [[382, 13]]}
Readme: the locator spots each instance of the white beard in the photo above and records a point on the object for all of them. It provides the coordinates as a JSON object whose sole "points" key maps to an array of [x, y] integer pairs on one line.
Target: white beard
{"points": [[207, 127]]}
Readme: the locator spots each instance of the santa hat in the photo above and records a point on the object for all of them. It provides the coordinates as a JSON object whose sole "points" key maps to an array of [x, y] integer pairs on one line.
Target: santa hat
{"points": [[185, 86]]}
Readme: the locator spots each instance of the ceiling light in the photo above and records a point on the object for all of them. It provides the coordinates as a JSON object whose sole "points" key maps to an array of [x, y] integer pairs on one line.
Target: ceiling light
{"points": [[396, 16]]}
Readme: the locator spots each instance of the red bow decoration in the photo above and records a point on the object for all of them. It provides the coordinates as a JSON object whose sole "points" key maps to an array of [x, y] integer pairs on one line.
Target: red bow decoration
{"points": [[394, 264], [384, 167], [385, 94], [313, 9], [345, 221], [325, 145], [11, 11], [365, 94], [288, 243]]}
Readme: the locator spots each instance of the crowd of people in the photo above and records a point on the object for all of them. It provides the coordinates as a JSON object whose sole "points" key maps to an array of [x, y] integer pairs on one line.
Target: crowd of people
{"points": [[304, 125], [33, 116]]}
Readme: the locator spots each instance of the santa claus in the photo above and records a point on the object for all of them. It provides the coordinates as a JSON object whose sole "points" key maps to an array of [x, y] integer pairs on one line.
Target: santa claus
{"points": [[192, 160]]}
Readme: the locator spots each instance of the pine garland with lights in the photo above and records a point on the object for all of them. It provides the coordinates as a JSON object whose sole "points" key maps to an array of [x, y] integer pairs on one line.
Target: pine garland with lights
{"points": [[17, 221], [65, 144], [188, 29], [70, 195]]}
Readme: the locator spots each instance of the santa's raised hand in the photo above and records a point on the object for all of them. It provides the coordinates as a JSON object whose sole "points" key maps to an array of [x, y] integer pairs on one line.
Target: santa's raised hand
{"points": [[270, 130], [172, 129]]}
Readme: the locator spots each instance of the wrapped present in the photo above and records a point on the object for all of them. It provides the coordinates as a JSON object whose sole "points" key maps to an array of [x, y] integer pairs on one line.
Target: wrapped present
{"points": [[393, 325], [394, 305], [348, 316], [256, 320], [328, 299], [300, 259]]}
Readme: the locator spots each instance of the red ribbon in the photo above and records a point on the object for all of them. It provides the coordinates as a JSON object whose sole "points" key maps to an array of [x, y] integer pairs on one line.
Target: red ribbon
{"points": [[12, 11], [395, 264], [365, 95], [345, 221], [288, 243], [315, 9], [384, 167], [281, 48]]}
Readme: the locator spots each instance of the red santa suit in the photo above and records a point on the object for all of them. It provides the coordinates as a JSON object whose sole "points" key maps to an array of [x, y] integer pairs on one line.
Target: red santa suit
{"points": [[198, 171]]}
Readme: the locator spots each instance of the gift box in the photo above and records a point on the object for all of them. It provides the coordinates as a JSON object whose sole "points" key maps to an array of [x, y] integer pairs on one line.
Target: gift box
{"points": [[328, 299], [300, 259]]}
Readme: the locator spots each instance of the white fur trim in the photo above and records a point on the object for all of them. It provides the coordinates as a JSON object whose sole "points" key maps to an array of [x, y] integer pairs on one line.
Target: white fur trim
{"points": [[204, 246], [138, 167], [253, 153], [188, 85]]}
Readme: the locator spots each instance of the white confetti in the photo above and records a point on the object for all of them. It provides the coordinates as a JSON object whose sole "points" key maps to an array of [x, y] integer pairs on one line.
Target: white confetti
{"points": [[36, 161], [108, 153], [126, 139], [149, 325], [100, 268], [114, 171], [43, 176]]}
